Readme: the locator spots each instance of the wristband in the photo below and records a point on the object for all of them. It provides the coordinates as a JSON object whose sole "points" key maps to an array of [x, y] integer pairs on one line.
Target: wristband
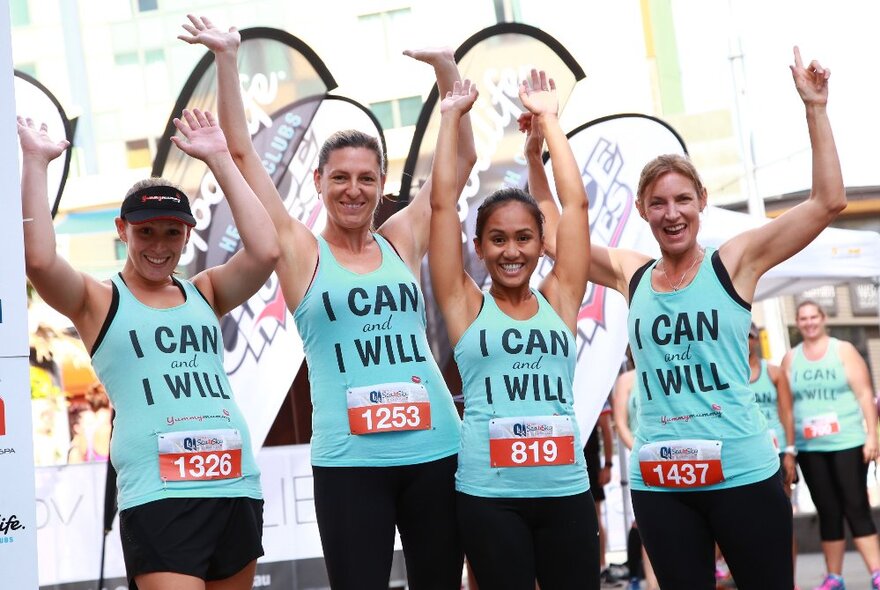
{"points": [[608, 464], [790, 450]]}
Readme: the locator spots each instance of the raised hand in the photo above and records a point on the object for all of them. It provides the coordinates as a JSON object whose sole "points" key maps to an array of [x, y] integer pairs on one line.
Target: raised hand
{"points": [[202, 31], [534, 135], [36, 143], [538, 94], [202, 136], [433, 56], [811, 82], [460, 99]]}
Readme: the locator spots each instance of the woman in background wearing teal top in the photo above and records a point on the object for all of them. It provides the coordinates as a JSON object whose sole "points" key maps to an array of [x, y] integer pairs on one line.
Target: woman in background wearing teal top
{"points": [[524, 507], [704, 467], [833, 407]]}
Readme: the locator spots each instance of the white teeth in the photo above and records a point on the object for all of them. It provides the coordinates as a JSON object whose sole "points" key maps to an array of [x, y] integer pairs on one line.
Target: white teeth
{"points": [[156, 260], [675, 228], [511, 267]]}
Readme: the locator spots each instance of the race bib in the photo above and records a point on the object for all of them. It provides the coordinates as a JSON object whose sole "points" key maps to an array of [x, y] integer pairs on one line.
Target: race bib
{"points": [[200, 455], [388, 407], [681, 463], [822, 425], [532, 441]]}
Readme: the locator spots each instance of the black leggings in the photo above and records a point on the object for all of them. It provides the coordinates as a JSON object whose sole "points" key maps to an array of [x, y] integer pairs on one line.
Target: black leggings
{"points": [[838, 484], [357, 509], [634, 553], [511, 542], [750, 523]]}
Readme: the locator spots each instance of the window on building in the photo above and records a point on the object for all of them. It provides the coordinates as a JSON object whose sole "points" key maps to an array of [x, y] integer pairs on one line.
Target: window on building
{"points": [[389, 32], [20, 14], [152, 56], [28, 68], [120, 250], [147, 5], [400, 112], [137, 153], [127, 58]]}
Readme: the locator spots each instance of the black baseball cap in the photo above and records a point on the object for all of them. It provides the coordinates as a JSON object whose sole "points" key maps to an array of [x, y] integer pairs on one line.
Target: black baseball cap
{"points": [[157, 202]]}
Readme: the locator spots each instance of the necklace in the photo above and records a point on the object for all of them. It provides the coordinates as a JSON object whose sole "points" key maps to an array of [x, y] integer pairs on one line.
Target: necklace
{"points": [[677, 285]]}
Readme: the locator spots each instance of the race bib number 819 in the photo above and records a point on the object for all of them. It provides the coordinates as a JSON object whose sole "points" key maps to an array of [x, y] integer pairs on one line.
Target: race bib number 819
{"points": [[532, 441]]}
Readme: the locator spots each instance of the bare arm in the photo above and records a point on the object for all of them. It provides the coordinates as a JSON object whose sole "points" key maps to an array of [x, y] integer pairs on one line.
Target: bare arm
{"points": [[409, 228], [230, 284], [539, 187], [860, 383], [749, 255], [299, 252], [620, 407], [566, 283], [786, 417], [604, 425], [458, 297], [70, 292]]}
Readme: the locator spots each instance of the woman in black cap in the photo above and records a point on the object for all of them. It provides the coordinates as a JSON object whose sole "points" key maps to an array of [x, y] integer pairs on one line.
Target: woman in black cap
{"points": [[188, 485]]}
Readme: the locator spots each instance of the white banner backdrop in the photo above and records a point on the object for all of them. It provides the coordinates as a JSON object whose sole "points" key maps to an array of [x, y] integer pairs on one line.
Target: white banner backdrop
{"points": [[18, 527], [18, 532]]}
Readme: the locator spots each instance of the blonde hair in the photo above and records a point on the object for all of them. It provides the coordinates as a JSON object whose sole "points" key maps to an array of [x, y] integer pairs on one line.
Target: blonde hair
{"points": [[664, 165]]}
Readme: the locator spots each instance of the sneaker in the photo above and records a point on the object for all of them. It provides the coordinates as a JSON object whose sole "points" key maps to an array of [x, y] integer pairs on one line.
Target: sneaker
{"points": [[634, 584], [832, 582], [608, 580], [875, 580]]}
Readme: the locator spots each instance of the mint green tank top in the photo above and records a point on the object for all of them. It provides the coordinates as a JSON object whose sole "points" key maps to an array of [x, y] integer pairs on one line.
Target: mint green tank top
{"points": [[766, 398], [163, 372], [519, 428], [369, 361], [691, 355], [827, 416]]}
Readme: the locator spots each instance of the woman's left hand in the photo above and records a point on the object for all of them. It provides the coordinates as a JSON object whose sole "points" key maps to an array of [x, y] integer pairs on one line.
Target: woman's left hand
{"points": [[811, 81], [538, 94], [869, 450]]}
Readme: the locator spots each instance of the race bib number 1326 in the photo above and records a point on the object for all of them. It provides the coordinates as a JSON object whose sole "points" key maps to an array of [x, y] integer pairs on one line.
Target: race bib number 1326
{"points": [[200, 455]]}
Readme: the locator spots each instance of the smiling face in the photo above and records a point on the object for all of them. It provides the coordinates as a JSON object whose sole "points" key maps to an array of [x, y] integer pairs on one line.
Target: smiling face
{"points": [[510, 244], [154, 247], [350, 184], [810, 320], [671, 205]]}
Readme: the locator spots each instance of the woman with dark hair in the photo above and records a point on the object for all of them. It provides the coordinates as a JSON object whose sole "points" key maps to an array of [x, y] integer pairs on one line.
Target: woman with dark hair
{"points": [[191, 508], [835, 428], [524, 508], [704, 467], [385, 431]]}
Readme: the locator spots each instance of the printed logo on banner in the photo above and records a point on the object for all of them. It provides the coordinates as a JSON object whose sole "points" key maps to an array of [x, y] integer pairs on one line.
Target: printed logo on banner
{"points": [[9, 524], [611, 202]]}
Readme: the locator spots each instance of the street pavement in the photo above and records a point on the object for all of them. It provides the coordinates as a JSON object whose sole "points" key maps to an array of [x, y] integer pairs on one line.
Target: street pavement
{"points": [[809, 573]]}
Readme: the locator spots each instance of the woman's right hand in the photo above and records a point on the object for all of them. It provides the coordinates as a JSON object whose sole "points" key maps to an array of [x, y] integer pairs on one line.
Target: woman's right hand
{"points": [[202, 31], [36, 143]]}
